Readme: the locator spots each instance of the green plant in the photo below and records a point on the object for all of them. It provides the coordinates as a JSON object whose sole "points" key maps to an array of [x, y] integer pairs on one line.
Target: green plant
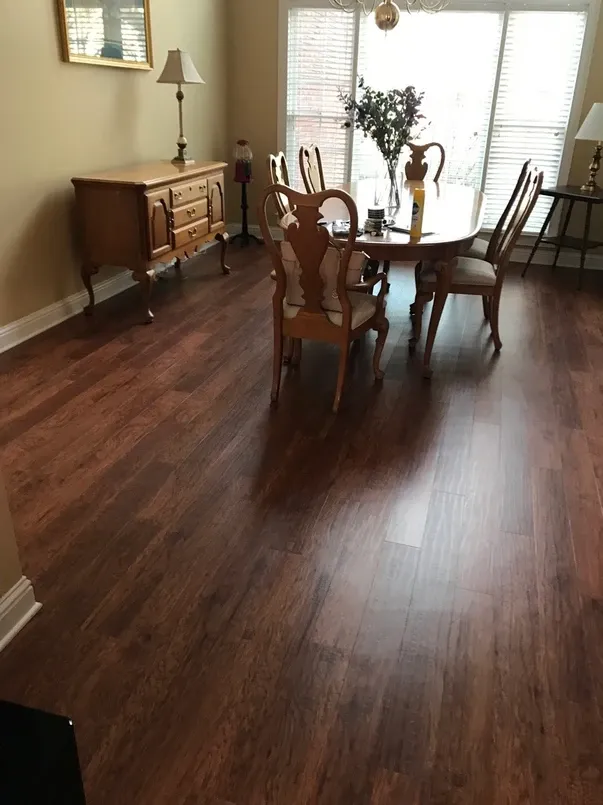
{"points": [[388, 118]]}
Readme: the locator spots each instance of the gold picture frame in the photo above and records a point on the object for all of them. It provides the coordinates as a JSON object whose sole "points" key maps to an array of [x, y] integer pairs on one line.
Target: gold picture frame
{"points": [[108, 33]]}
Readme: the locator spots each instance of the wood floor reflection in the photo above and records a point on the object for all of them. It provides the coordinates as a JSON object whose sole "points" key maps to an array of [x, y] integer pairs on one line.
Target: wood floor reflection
{"points": [[400, 604]]}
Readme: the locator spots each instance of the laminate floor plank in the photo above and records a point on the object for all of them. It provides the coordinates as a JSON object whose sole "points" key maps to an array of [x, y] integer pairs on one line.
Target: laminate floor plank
{"points": [[397, 605], [349, 761], [563, 650], [462, 765], [519, 764]]}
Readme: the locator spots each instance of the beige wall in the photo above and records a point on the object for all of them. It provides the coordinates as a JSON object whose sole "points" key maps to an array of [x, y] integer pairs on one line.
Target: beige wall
{"points": [[583, 150], [253, 87], [10, 568], [61, 119]]}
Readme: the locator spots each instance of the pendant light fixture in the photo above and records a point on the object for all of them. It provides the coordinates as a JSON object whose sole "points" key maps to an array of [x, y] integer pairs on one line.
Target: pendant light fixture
{"points": [[387, 13]]}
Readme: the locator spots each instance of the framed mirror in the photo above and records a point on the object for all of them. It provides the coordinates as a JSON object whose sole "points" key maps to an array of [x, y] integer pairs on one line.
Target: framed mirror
{"points": [[113, 33]]}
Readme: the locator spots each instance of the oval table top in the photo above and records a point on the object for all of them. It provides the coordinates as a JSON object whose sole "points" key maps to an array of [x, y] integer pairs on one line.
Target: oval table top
{"points": [[453, 217]]}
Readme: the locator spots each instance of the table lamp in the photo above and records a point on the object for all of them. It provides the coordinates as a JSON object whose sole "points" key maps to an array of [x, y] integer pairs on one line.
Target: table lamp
{"points": [[592, 129], [179, 69]]}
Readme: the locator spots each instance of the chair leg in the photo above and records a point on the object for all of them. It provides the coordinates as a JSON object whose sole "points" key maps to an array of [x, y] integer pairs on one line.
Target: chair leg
{"points": [[418, 269], [343, 368], [297, 352], [439, 302], [288, 350], [382, 331], [486, 306], [421, 299], [277, 364], [494, 308]]}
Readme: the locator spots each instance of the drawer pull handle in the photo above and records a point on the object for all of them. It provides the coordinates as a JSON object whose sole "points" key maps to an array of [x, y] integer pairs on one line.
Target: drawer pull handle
{"points": [[192, 212], [178, 194], [192, 232]]}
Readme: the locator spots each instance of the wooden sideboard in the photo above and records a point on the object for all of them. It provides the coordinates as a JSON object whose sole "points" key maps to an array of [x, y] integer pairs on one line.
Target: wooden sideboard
{"points": [[140, 216]]}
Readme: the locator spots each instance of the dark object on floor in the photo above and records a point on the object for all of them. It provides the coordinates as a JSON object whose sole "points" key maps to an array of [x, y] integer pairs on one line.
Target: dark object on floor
{"points": [[584, 244], [38, 758]]}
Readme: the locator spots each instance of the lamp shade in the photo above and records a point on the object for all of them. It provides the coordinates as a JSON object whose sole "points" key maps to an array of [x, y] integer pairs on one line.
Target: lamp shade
{"points": [[592, 128], [179, 69]]}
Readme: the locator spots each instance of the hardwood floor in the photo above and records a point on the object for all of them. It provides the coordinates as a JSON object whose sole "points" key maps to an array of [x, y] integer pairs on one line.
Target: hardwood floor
{"points": [[400, 604]]}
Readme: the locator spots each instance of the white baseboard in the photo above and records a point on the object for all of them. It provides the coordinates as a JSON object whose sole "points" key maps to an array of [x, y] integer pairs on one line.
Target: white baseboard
{"points": [[17, 608], [23, 329], [568, 258], [29, 326]]}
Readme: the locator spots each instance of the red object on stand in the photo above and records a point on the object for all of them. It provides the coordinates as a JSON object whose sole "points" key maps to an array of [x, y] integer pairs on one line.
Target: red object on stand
{"points": [[243, 175]]}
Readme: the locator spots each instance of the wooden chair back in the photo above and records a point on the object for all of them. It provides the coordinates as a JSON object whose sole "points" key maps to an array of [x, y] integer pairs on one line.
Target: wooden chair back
{"points": [[416, 167], [278, 171], [309, 241], [310, 165], [493, 243], [519, 212]]}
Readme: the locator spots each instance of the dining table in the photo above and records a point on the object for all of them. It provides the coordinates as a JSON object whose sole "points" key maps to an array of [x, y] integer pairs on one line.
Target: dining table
{"points": [[453, 216]]}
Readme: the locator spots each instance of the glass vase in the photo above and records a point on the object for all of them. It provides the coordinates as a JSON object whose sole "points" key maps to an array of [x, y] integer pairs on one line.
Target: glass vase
{"points": [[392, 189]]}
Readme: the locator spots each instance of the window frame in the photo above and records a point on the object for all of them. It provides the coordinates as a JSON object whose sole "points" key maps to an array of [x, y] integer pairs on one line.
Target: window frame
{"points": [[591, 7]]}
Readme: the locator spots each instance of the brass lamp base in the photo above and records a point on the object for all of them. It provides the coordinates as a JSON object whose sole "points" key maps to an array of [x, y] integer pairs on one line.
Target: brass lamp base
{"points": [[182, 143], [179, 161], [591, 185]]}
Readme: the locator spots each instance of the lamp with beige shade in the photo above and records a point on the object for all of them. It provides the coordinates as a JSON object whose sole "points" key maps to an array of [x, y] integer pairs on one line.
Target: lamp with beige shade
{"points": [[179, 69], [592, 129]]}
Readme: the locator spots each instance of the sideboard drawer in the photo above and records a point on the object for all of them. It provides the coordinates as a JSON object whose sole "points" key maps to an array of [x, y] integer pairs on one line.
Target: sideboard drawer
{"points": [[190, 232], [183, 193], [186, 215]]}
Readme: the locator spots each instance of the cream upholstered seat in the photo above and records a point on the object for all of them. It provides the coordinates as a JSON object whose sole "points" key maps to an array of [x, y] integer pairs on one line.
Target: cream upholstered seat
{"points": [[466, 271], [478, 249], [363, 307], [329, 269], [311, 298]]}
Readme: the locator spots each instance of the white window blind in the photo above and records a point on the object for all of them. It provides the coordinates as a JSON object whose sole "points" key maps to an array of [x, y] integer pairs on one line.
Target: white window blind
{"points": [[499, 87], [319, 64], [458, 84], [537, 81]]}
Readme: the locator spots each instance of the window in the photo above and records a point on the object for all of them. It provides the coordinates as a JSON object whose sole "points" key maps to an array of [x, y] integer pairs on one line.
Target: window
{"points": [[494, 95], [319, 64]]}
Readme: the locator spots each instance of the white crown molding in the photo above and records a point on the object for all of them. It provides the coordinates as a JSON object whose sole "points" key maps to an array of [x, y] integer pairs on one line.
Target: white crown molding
{"points": [[17, 608]]}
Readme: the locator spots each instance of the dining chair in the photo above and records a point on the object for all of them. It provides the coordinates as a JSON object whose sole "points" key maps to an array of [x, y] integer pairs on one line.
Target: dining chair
{"points": [[310, 165], [484, 249], [416, 168], [311, 300], [278, 171], [477, 277]]}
